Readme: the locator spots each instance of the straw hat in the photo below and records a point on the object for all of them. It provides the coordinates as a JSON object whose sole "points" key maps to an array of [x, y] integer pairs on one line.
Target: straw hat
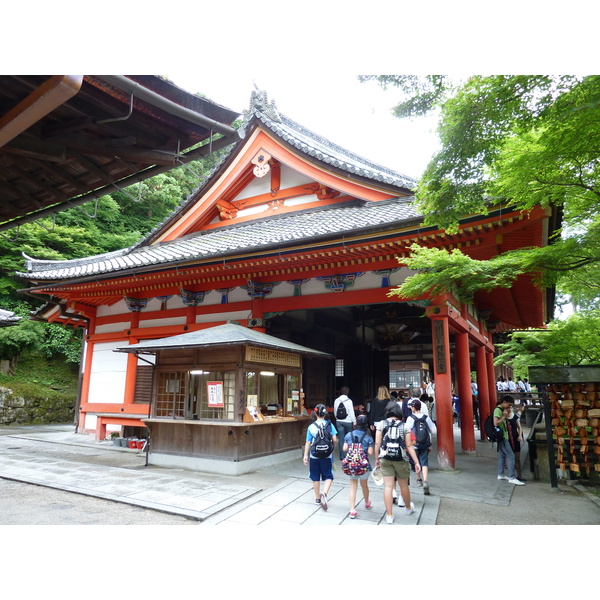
{"points": [[377, 476]]}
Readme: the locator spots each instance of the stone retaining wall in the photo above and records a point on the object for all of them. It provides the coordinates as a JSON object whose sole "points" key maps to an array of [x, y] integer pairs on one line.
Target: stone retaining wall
{"points": [[17, 410]]}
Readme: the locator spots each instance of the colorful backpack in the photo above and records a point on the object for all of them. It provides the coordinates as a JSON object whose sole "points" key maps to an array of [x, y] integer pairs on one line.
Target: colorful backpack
{"points": [[356, 462]]}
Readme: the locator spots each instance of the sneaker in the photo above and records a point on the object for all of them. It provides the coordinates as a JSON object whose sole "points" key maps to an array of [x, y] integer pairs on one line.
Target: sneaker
{"points": [[515, 481], [318, 501], [426, 488], [368, 505], [411, 510], [419, 483], [323, 501], [389, 519], [353, 514], [502, 477]]}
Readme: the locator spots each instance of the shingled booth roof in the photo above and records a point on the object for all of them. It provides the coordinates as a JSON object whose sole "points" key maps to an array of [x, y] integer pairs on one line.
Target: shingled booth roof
{"points": [[68, 139], [229, 334]]}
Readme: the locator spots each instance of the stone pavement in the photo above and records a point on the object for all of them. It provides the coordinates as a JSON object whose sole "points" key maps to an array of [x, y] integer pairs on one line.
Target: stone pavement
{"points": [[55, 456]]}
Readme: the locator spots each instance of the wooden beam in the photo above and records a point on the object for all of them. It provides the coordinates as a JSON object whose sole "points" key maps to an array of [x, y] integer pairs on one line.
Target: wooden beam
{"points": [[46, 98]]}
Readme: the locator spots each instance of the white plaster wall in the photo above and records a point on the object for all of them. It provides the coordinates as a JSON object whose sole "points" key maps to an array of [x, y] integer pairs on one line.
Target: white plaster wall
{"points": [[262, 185], [241, 316], [162, 322], [107, 376], [116, 309], [112, 327], [291, 178], [90, 422]]}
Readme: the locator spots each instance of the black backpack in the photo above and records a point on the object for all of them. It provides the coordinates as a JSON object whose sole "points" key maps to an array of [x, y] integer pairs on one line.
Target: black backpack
{"points": [[494, 434], [341, 413], [393, 443], [421, 429], [322, 444]]}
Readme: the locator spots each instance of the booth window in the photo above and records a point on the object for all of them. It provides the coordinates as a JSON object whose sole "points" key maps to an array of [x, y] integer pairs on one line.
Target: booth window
{"points": [[203, 403], [405, 379], [170, 395]]}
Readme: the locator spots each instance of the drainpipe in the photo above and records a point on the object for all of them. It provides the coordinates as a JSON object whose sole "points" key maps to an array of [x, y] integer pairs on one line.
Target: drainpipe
{"points": [[143, 93]]}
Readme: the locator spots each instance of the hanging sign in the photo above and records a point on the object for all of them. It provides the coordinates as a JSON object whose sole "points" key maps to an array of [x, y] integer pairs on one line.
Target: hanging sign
{"points": [[215, 394], [439, 346]]}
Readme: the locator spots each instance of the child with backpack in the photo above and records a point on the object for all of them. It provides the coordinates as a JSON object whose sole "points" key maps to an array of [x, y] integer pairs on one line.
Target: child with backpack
{"points": [[358, 446], [423, 428], [321, 436], [393, 445]]}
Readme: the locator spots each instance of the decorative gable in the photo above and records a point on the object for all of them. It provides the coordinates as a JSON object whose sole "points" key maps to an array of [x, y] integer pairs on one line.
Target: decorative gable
{"points": [[279, 166]]}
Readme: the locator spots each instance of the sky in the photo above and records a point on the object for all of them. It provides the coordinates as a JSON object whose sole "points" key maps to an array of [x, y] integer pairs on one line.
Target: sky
{"points": [[357, 116]]}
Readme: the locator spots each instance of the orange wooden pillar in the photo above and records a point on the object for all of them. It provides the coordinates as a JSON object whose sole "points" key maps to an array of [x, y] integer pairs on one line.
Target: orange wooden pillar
{"points": [[443, 391], [491, 380], [84, 393], [131, 369], [465, 396], [482, 388]]}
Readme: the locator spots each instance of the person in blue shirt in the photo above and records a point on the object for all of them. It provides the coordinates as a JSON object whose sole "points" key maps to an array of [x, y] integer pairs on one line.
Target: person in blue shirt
{"points": [[319, 468], [361, 433]]}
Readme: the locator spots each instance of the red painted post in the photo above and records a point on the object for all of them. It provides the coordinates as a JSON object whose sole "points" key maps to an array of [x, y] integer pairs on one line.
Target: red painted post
{"points": [[491, 380], [465, 396], [482, 388], [443, 392]]}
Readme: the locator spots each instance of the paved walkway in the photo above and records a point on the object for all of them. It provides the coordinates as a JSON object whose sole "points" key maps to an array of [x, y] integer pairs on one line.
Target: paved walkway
{"points": [[54, 456]]}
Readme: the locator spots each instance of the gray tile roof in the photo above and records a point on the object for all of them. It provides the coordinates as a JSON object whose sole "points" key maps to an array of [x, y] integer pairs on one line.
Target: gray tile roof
{"points": [[222, 335], [7, 318], [272, 232]]}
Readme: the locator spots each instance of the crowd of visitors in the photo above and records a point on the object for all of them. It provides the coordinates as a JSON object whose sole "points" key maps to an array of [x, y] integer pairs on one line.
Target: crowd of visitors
{"points": [[396, 432]]}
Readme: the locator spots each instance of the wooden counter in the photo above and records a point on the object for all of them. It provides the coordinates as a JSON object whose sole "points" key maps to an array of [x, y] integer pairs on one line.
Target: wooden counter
{"points": [[197, 444]]}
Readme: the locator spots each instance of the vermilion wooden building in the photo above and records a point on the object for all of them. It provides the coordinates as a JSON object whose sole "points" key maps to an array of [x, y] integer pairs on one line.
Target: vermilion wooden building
{"points": [[298, 238]]}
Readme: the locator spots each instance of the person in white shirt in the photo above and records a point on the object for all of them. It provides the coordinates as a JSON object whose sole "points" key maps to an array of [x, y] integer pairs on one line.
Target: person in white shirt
{"points": [[423, 450], [511, 386], [344, 424]]}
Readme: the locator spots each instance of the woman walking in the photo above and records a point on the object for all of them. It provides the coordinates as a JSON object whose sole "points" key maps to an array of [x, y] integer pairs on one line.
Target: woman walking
{"points": [[392, 443]]}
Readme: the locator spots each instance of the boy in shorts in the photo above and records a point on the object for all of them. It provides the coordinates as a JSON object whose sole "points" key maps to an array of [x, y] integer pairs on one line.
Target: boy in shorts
{"points": [[319, 468]]}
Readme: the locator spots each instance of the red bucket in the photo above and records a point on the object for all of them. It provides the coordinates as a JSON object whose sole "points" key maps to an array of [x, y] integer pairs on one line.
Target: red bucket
{"points": [[132, 444]]}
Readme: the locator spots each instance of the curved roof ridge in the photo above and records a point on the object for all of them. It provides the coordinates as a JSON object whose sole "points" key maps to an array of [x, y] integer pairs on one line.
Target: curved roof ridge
{"points": [[42, 264]]}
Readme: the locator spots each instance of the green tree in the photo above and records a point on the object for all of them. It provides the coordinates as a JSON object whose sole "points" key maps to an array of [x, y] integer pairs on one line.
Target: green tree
{"points": [[522, 140], [573, 341]]}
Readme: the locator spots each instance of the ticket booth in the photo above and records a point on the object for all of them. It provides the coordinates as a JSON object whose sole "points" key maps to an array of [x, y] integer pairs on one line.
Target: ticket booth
{"points": [[226, 399]]}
